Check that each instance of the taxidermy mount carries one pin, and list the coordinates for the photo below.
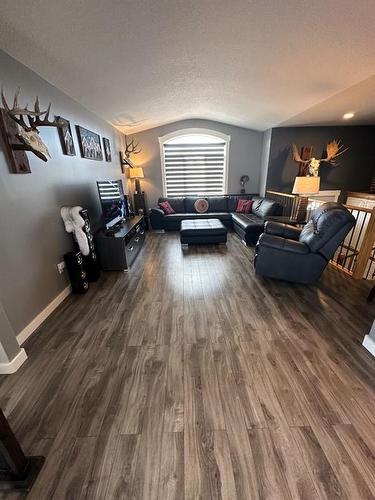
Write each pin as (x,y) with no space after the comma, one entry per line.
(311,166)
(131,148)
(20,131)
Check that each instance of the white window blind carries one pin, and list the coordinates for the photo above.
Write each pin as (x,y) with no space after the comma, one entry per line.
(194,165)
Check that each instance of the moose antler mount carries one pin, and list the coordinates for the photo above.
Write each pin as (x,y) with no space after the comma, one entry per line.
(310,165)
(131,148)
(20,131)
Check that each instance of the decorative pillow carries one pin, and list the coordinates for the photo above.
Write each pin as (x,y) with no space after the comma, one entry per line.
(166,207)
(178,203)
(244,206)
(201,205)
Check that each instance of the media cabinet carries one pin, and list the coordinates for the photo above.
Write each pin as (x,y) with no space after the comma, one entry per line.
(118,251)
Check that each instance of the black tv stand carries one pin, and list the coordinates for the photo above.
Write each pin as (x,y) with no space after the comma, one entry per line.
(111,231)
(118,250)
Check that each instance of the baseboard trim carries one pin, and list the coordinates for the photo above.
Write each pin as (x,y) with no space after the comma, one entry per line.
(43,315)
(12,366)
(369,344)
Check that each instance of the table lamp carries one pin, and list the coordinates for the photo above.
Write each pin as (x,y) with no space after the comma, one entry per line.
(136,173)
(304,187)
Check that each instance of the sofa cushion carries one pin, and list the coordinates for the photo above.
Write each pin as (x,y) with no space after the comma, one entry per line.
(232,203)
(247,221)
(218,203)
(257,203)
(196,216)
(264,207)
(189,202)
(176,203)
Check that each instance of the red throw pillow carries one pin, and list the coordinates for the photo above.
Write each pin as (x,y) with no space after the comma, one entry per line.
(244,206)
(166,207)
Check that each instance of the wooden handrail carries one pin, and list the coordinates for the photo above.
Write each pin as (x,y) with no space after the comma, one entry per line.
(359,209)
(281,194)
(366,247)
(349,207)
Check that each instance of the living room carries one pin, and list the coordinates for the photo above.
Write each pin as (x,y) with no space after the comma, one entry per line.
(188,250)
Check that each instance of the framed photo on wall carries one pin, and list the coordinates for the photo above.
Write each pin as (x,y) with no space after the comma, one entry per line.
(107,149)
(66,137)
(89,143)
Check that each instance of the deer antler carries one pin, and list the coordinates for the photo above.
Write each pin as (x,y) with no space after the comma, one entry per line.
(131,147)
(297,156)
(16,113)
(334,149)
(34,117)
(43,122)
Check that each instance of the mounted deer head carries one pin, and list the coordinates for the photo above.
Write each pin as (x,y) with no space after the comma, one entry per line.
(333,149)
(28,133)
(131,147)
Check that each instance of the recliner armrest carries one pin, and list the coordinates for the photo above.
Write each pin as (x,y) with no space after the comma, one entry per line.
(157,218)
(279,243)
(283,230)
(157,211)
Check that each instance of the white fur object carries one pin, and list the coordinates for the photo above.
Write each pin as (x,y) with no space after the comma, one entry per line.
(74,223)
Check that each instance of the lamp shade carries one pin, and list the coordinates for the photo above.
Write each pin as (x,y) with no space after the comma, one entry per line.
(306,185)
(136,173)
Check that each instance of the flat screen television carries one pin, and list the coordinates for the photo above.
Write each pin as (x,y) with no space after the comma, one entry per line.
(114,202)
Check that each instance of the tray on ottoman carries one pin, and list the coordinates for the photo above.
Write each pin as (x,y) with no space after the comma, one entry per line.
(202,232)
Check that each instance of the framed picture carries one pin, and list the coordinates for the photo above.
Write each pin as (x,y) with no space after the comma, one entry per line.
(66,137)
(89,143)
(107,149)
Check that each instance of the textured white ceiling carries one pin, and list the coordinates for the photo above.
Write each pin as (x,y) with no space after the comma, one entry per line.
(143,63)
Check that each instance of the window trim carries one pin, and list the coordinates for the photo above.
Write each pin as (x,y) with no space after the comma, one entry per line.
(196,131)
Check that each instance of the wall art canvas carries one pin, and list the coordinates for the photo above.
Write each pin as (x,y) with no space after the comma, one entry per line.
(66,137)
(89,143)
(107,149)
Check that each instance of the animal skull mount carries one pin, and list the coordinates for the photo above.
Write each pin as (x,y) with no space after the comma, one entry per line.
(311,165)
(26,130)
(131,147)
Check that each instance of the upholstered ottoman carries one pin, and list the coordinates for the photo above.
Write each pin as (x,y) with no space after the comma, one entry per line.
(202,232)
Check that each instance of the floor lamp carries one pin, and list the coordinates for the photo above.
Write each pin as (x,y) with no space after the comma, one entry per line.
(304,187)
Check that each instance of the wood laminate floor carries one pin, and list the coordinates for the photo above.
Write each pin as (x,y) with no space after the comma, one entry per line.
(191,378)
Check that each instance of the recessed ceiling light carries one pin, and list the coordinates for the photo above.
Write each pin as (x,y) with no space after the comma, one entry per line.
(347,116)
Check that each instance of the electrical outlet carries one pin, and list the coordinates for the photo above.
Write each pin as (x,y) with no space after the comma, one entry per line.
(61,267)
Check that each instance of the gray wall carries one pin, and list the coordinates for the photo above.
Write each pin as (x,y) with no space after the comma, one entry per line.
(266,145)
(357,165)
(244,155)
(8,344)
(33,239)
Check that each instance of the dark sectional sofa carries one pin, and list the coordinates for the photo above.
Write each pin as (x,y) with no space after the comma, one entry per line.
(248,226)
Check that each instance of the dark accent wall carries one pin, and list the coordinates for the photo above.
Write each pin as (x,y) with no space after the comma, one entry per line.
(357,165)
(32,236)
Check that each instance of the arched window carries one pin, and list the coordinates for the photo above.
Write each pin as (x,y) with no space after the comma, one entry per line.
(194,162)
